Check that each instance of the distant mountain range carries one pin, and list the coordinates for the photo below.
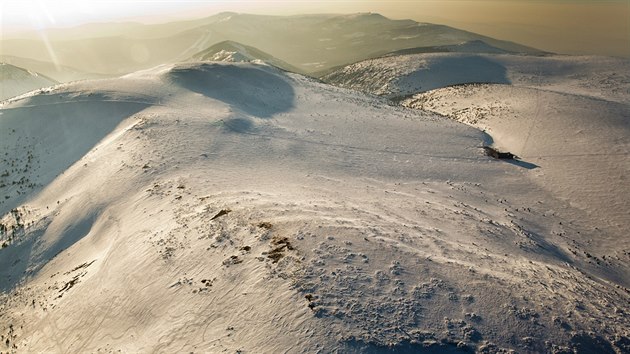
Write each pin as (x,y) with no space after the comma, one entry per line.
(307,43)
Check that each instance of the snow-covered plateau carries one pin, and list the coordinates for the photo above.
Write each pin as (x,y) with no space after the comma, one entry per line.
(236,207)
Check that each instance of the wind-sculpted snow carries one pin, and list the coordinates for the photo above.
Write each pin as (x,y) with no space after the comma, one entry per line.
(243,209)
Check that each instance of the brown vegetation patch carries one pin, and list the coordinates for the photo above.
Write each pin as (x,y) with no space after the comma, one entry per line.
(265,225)
(280,243)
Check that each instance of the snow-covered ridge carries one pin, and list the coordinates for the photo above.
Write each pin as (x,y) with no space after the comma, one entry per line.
(235,207)
(402,75)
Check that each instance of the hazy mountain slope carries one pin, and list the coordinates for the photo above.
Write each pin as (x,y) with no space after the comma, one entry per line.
(58,73)
(229,51)
(112,56)
(236,207)
(475,46)
(309,42)
(15,81)
(396,76)
(478,46)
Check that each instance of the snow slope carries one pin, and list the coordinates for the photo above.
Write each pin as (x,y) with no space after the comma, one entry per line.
(233,52)
(214,207)
(15,80)
(580,144)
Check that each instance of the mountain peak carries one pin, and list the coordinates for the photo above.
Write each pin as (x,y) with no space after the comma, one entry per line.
(232,51)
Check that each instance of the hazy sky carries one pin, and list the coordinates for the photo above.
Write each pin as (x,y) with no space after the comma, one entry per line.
(566,26)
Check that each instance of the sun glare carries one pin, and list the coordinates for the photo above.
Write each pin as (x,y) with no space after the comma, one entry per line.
(41,14)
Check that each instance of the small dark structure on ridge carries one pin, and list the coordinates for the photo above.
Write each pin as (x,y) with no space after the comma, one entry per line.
(490,151)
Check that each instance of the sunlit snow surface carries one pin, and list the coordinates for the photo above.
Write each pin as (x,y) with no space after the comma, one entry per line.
(210,207)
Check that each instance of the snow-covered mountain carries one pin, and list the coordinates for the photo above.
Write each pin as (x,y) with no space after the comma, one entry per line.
(15,81)
(210,207)
(229,51)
